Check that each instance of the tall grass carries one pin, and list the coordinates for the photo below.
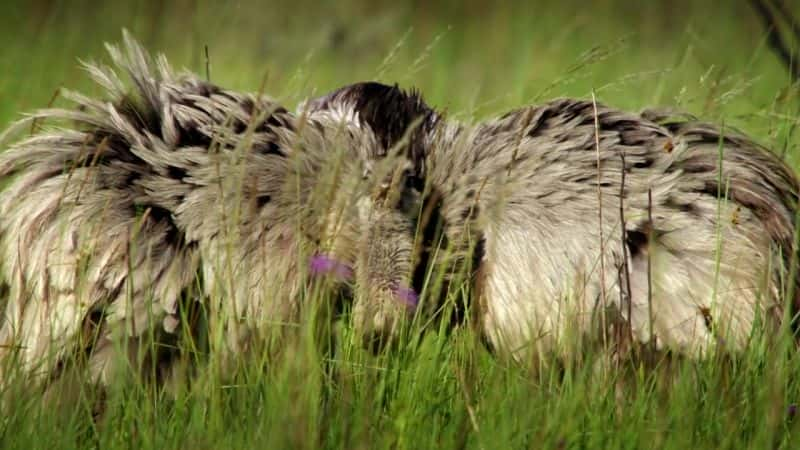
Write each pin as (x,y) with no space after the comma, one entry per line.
(440,388)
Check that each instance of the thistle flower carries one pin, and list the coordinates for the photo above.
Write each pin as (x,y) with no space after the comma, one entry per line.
(326,265)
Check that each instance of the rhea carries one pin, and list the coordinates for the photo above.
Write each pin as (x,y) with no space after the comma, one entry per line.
(125,214)
(568,216)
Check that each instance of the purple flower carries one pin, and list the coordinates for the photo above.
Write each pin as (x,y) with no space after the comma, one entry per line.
(406,295)
(325,265)
(791,411)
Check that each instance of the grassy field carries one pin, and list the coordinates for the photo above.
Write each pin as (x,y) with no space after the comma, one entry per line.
(474,61)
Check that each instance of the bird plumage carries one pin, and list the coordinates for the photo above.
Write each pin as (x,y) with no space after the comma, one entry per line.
(517,197)
(720,241)
(178,192)
(172,193)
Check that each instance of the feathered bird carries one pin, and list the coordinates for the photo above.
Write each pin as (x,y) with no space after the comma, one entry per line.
(178,192)
(708,213)
(175,193)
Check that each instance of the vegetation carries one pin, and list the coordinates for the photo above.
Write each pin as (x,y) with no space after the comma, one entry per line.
(474,60)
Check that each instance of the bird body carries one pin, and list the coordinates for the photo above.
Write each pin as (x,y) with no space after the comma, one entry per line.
(566,217)
(173,194)
(709,214)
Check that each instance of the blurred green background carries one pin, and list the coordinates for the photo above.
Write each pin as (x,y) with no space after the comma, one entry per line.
(472,58)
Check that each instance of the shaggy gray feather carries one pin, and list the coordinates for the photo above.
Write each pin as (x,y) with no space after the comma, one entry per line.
(179,192)
(519,195)
(719,251)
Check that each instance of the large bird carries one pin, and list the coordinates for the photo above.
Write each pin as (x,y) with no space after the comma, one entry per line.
(122,214)
(533,206)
